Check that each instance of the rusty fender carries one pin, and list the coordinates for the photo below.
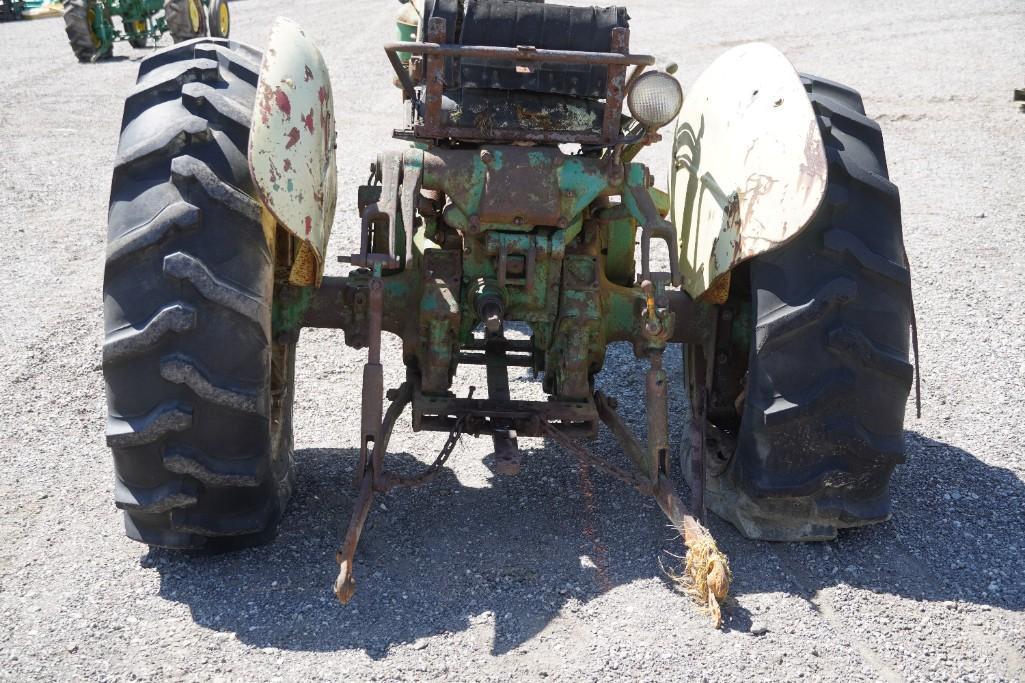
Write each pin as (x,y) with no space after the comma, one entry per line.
(749,168)
(292,140)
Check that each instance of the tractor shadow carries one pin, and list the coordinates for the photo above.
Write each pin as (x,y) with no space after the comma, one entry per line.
(440,558)
(956,534)
(448,557)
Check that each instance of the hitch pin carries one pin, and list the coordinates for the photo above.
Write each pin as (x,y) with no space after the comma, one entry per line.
(651,324)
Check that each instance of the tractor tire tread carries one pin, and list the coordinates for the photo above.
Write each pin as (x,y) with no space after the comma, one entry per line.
(170,416)
(182,266)
(845,242)
(129,342)
(171,218)
(828,373)
(181,369)
(188,286)
(173,494)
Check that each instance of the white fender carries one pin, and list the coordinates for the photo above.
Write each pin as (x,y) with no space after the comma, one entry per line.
(749,166)
(292,139)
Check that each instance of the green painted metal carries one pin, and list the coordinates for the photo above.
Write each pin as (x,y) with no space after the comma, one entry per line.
(558,256)
(141,20)
(290,304)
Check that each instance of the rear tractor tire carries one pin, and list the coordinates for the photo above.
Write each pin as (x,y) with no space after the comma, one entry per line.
(199,393)
(80,18)
(186,19)
(810,374)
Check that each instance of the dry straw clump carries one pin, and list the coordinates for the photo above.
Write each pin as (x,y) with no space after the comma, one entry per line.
(706,574)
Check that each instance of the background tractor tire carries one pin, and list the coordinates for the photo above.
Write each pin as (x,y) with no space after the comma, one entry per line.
(137,34)
(219,18)
(78,24)
(199,394)
(186,19)
(810,374)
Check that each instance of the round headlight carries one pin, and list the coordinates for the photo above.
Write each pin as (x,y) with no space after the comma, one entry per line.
(655,99)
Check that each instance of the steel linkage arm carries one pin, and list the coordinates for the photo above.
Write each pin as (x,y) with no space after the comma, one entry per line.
(706,573)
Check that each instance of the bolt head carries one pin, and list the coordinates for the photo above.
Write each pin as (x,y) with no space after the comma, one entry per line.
(486,156)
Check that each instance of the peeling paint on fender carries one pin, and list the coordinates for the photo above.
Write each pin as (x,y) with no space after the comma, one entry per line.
(292,162)
(749,166)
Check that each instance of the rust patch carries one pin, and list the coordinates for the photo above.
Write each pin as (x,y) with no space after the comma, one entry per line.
(719,291)
(293,138)
(308,121)
(308,76)
(283,103)
(304,267)
(534,119)
(266,95)
(814,168)
(758,186)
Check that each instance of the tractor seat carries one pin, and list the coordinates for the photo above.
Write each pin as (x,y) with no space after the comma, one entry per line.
(512,23)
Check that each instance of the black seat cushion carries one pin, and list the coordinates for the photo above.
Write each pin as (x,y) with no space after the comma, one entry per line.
(511,23)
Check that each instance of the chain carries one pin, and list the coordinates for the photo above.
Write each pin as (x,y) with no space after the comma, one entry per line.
(585,456)
(439,462)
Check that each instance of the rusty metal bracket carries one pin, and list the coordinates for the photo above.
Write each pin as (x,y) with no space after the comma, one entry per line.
(699,422)
(436,51)
(653,226)
(373,479)
(586,456)
(507,450)
(381,215)
(373,380)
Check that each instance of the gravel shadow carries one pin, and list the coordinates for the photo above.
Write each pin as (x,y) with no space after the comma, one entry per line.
(957,535)
(443,557)
(431,560)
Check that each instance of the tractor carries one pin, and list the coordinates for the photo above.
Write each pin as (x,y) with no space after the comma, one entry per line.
(92,33)
(772,259)
(11,10)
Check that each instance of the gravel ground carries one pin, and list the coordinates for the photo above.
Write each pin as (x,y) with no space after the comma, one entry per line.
(481,578)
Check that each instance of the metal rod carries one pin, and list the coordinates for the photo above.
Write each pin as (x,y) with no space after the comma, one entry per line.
(400,70)
(615,90)
(373,378)
(507,450)
(511,135)
(520,54)
(434,72)
(623,434)
(699,421)
(345,585)
(658,415)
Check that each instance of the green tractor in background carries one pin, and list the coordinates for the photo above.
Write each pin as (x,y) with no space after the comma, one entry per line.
(92,33)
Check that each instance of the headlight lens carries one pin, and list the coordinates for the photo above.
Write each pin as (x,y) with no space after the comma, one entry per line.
(655,99)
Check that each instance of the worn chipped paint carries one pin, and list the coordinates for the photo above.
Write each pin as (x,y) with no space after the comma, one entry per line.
(292,142)
(749,165)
